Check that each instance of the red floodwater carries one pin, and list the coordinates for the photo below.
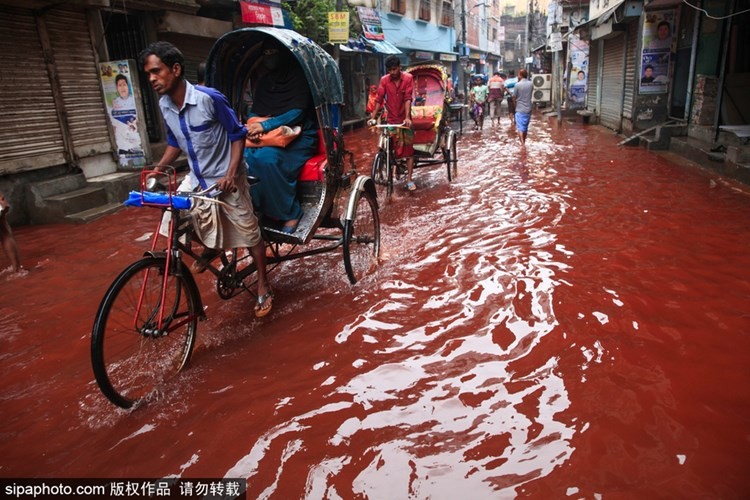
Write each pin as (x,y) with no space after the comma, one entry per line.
(571,321)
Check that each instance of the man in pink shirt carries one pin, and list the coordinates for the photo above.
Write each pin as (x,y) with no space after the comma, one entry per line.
(396,89)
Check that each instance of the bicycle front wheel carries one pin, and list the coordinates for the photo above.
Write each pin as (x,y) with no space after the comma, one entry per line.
(362,238)
(382,173)
(144,330)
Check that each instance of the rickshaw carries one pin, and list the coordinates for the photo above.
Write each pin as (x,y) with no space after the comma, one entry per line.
(434,139)
(145,327)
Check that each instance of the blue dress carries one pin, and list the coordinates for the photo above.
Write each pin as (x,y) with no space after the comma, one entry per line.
(275,196)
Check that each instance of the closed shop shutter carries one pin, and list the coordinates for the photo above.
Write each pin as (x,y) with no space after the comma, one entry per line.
(612,82)
(30,135)
(194,48)
(78,78)
(594,89)
(630,65)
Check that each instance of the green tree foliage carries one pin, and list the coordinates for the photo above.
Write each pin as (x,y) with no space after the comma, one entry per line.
(310,18)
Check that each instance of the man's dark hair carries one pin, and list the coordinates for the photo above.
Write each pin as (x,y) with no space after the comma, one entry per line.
(648,66)
(392,61)
(168,53)
(496,73)
(664,23)
(121,77)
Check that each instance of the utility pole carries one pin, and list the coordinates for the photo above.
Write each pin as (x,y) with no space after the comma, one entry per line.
(526,35)
(463,59)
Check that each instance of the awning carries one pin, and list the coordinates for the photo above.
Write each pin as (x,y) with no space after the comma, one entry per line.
(604,17)
(355,46)
(382,47)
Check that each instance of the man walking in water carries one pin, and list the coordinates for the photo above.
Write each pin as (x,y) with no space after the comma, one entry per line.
(522,100)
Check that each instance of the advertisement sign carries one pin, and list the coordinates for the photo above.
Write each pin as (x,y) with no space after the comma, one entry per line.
(265,13)
(372,28)
(656,43)
(119,80)
(579,71)
(338,27)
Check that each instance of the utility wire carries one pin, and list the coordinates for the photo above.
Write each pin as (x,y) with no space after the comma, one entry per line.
(714,17)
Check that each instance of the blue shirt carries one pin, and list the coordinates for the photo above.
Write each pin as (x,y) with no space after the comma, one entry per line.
(204,129)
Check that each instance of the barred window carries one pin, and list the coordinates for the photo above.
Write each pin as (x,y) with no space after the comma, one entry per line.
(447,17)
(424,10)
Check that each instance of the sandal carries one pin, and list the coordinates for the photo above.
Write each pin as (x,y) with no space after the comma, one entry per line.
(264,304)
(202,263)
(410,186)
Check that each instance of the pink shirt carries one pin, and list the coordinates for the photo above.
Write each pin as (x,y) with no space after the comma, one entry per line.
(396,95)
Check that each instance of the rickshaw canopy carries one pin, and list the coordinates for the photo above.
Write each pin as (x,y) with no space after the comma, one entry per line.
(234,54)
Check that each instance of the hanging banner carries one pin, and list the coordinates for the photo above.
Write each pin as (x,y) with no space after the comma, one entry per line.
(579,71)
(122,108)
(265,13)
(372,27)
(658,27)
(338,27)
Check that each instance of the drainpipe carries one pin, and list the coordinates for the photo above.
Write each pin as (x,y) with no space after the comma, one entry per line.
(691,71)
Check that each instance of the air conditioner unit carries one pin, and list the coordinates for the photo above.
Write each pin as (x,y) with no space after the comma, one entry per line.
(541,95)
(542,81)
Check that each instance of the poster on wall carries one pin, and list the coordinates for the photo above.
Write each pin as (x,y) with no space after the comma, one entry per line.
(372,28)
(122,108)
(658,27)
(579,71)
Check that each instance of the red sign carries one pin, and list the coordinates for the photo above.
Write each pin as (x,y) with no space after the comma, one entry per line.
(255,13)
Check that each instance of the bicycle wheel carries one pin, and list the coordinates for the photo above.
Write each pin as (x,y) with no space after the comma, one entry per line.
(130,353)
(382,173)
(449,155)
(362,238)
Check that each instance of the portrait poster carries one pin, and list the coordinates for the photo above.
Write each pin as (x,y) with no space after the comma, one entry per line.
(579,71)
(122,108)
(656,43)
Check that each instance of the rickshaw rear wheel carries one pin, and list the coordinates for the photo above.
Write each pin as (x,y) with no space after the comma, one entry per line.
(362,237)
(131,356)
(382,173)
(450,156)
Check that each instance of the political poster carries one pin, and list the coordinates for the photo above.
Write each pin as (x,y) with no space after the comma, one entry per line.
(119,98)
(658,27)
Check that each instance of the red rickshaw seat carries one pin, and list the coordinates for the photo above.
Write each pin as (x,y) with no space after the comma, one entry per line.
(313,169)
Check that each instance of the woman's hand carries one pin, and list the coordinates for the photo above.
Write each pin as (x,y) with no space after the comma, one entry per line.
(254,130)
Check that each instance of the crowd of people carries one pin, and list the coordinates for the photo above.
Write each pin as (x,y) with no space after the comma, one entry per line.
(486,98)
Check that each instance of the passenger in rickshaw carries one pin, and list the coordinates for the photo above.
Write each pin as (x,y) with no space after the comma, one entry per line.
(396,89)
(282,96)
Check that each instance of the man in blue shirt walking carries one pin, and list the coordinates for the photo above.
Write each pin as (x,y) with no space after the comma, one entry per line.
(201,123)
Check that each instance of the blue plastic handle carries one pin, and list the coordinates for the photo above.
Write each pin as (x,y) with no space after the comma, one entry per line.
(137,199)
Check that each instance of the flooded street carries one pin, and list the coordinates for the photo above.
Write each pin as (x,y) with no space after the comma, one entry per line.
(572,321)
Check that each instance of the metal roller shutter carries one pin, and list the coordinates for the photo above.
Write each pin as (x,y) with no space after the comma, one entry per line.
(630,65)
(30,135)
(78,78)
(612,82)
(592,97)
(195,49)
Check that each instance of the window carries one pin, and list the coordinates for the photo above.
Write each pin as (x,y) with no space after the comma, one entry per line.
(447,17)
(398,6)
(424,10)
